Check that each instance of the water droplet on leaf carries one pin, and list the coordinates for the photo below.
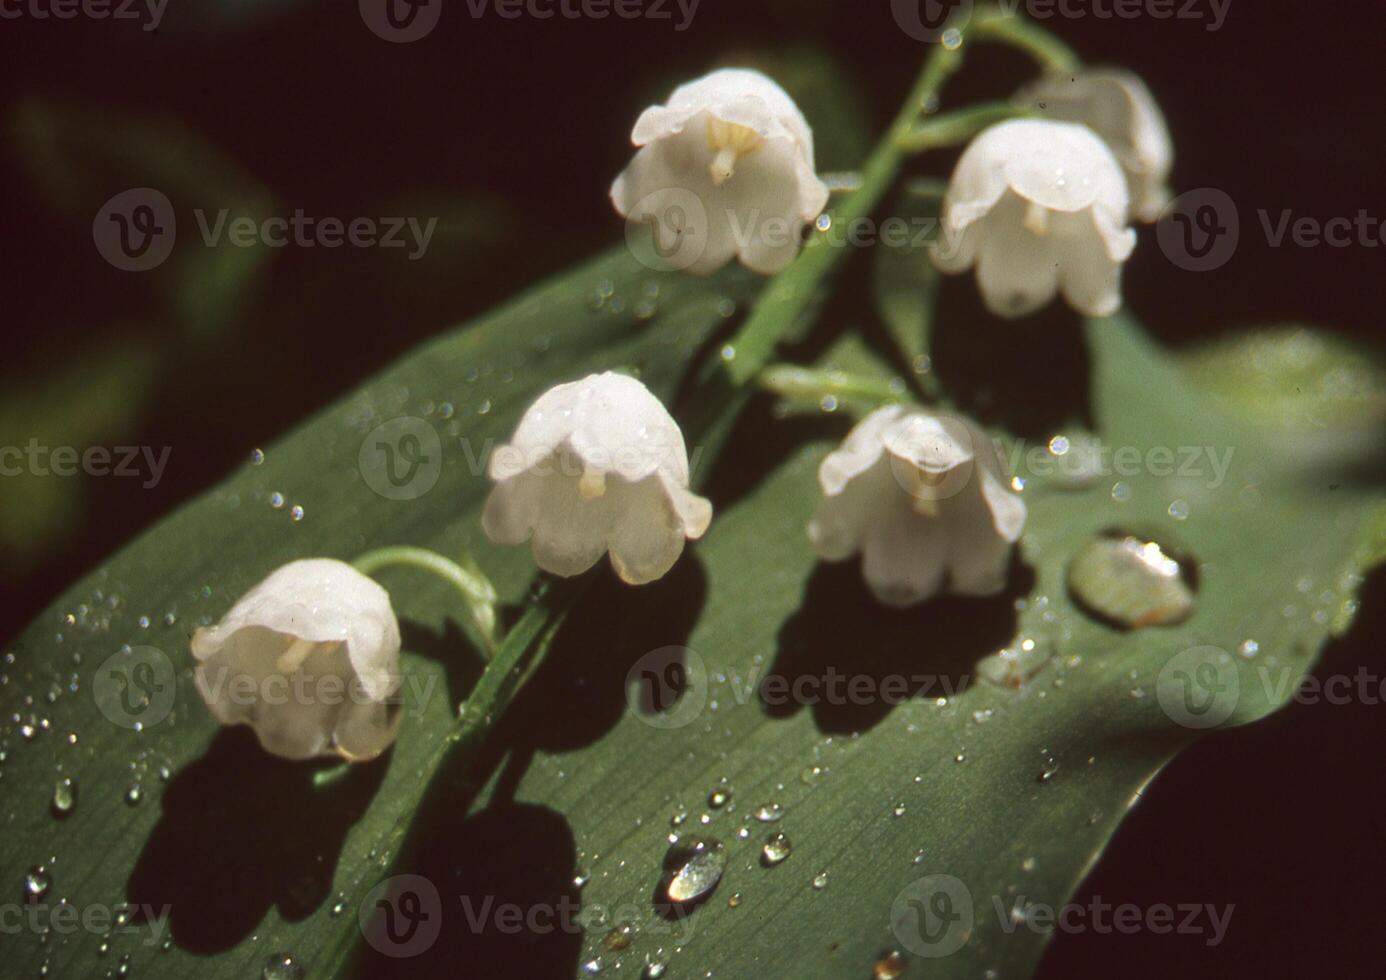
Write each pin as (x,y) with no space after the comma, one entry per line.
(1131,581)
(694,867)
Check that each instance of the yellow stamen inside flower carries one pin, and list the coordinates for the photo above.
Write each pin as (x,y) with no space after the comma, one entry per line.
(925,506)
(1037,218)
(729,142)
(592,483)
(925,491)
(292,658)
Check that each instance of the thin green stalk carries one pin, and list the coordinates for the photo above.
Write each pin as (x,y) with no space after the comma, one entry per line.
(475,588)
(786,298)
(1052,54)
(790,293)
(958,127)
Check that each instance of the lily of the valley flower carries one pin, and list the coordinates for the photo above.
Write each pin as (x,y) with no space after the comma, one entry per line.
(923,498)
(1038,207)
(596,465)
(309,658)
(1118,106)
(724,170)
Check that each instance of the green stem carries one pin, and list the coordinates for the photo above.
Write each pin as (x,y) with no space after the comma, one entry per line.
(959,127)
(813,384)
(725,389)
(928,188)
(790,293)
(1052,54)
(473,585)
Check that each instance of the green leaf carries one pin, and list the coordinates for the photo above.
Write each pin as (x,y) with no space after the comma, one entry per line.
(97,396)
(1326,393)
(78,159)
(258,857)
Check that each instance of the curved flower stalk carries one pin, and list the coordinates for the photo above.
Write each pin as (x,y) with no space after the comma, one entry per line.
(596,465)
(309,658)
(1118,106)
(1039,207)
(724,170)
(923,498)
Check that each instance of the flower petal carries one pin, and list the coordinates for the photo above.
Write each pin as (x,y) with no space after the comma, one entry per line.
(904,558)
(570,530)
(1091,278)
(648,537)
(365,729)
(1017,270)
(859,452)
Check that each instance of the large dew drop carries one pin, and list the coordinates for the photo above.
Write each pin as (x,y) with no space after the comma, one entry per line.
(64,796)
(776,849)
(1131,581)
(693,868)
(36,883)
(890,966)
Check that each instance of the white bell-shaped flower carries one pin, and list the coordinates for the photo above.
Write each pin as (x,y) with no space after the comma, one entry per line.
(1117,105)
(309,658)
(596,465)
(924,499)
(724,170)
(1038,207)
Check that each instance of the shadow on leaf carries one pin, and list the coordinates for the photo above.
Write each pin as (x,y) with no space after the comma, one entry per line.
(579,694)
(508,904)
(850,659)
(242,831)
(451,649)
(1030,377)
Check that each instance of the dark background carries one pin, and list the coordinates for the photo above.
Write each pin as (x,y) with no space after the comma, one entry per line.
(511,131)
